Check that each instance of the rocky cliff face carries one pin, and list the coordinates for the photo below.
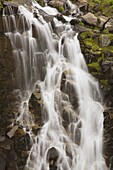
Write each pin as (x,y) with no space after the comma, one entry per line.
(13,150)
(96,40)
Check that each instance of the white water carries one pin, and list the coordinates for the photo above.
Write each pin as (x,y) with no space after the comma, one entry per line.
(77,145)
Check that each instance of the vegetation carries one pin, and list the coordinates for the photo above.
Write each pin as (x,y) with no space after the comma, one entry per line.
(1,4)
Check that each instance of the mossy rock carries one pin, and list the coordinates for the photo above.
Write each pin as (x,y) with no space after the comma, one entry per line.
(103,6)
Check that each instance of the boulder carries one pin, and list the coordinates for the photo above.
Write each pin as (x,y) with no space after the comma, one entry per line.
(105,41)
(89,19)
(102,19)
(35,106)
(82,4)
(68,88)
(109,25)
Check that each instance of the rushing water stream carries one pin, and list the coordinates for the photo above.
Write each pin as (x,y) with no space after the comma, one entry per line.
(45,61)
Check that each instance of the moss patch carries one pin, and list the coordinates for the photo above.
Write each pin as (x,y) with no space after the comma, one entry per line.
(1,4)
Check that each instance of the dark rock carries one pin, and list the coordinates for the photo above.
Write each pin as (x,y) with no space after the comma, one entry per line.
(74,21)
(106,66)
(111,163)
(52,156)
(35,106)
(61,18)
(53,167)
(69,88)
(2,161)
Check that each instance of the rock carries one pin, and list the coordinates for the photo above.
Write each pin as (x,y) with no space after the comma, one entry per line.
(68,88)
(109,25)
(2,161)
(68,115)
(60,17)
(74,21)
(6,144)
(106,66)
(111,163)
(52,156)
(105,41)
(35,106)
(12,131)
(13,4)
(16,3)
(89,19)
(57,4)
(36,129)
(82,4)
(79,29)
(102,19)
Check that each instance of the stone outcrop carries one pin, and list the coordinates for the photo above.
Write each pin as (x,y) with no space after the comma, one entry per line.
(89,19)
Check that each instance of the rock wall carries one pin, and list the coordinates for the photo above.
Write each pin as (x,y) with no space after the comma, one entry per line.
(13,150)
(97,46)
(96,38)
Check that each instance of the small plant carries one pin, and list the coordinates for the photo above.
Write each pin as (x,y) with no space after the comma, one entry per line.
(1,6)
(110,2)
(60,9)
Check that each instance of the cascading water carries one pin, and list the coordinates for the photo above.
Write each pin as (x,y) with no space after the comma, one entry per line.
(71,135)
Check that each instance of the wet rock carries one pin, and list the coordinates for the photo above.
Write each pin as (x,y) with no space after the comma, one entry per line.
(74,21)
(36,129)
(68,116)
(57,4)
(61,18)
(23,24)
(111,163)
(52,156)
(79,29)
(35,106)
(69,88)
(89,19)
(53,167)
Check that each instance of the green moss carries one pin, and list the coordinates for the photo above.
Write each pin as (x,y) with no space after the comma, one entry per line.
(1,4)
(108,49)
(94,65)
(40,2)
(110,2)
(61,9)
(110,36)
(105,7)
(106,31)
(104,82)
(91,43)
(81,23)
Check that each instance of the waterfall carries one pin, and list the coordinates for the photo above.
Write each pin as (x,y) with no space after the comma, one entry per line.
(71,108)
